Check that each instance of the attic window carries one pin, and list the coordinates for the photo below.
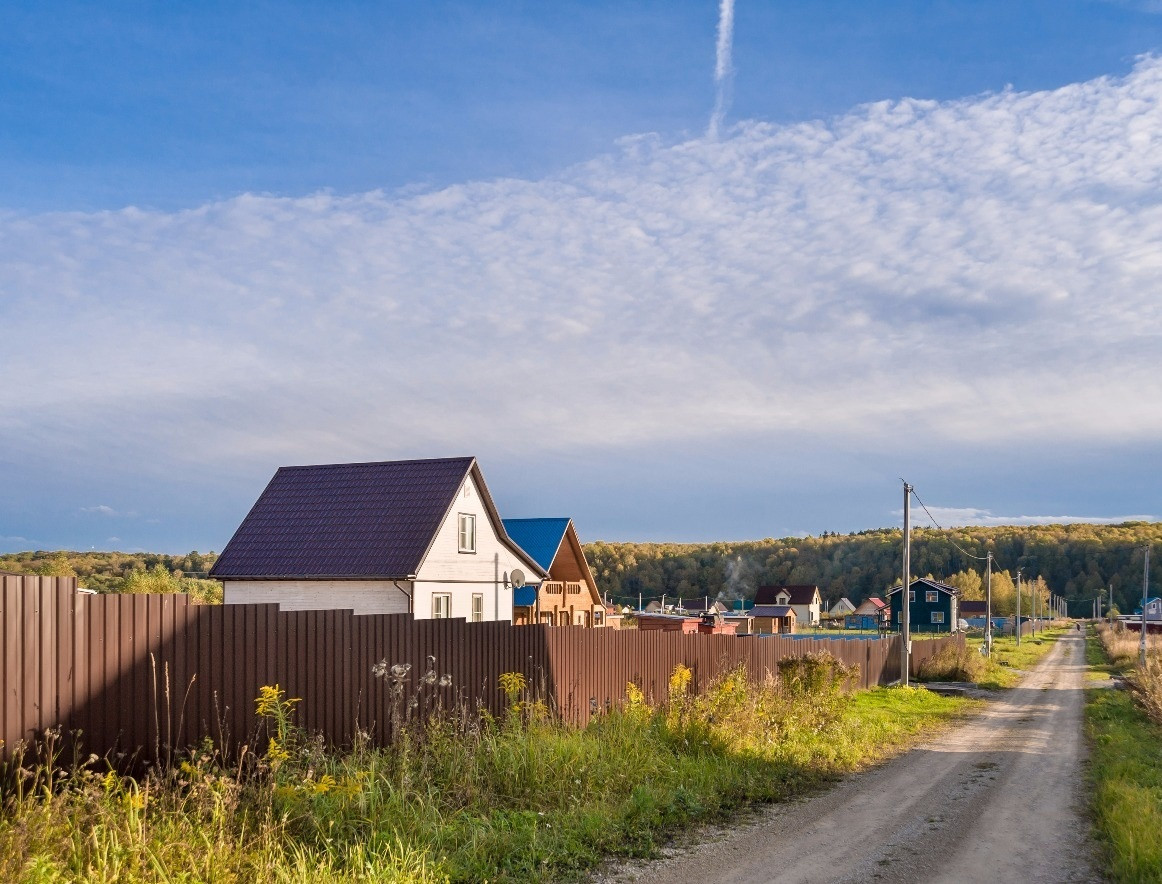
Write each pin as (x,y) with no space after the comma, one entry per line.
(932,595)
(467,533)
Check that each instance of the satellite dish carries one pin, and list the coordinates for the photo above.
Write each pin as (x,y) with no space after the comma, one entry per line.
(517,578)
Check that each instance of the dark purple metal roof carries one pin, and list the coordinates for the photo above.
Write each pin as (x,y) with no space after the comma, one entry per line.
(369,520)
(800,593)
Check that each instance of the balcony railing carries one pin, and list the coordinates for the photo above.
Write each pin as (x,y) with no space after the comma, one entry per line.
(562,587)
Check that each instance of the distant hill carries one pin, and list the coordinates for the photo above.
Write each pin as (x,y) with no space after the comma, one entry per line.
(1075,561)
(123,572)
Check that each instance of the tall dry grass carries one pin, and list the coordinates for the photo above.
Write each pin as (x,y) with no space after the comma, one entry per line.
(457,797)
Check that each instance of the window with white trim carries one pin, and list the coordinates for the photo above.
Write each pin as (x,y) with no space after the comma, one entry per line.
(477,607)
(911,595)
(467,533)
(441,605)
(932,595)
(937,616)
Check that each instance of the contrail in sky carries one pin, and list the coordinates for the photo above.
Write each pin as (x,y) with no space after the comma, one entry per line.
(723,70)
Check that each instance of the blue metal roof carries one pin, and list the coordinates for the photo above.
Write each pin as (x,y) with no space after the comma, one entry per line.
(525,596)
(540,538)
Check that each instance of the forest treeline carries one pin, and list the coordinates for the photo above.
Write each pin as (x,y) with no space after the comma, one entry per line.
(1074,561)
(123,572)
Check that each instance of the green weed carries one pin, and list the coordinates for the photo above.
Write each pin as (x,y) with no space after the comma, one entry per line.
(1126,767)
(459,798)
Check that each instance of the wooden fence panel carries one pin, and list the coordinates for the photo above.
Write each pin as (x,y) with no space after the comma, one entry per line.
(149,674)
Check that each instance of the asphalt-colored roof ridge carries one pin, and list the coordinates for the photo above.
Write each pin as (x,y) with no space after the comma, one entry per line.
(373,463)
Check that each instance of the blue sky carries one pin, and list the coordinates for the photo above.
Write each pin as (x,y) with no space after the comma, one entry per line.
(242,235)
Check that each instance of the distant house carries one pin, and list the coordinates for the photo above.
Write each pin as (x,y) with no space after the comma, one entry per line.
(1153,609)
(872,613)
(841,608)
(932,606)
(569,597)
(773,619)
(806,601)
(743,623)
(973,608)
(415,536)
(651,622)
(702,605)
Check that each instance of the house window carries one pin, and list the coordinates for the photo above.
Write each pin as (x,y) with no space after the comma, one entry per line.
(932,595)
(467,537)
(441,605)
(598,616)
(477,607)
(937,616)
(911,595)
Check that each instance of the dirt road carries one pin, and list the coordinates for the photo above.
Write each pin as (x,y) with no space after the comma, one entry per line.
(998,798)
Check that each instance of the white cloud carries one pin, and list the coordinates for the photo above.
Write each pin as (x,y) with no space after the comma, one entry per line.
(100,510)
(958,517)
(977,271)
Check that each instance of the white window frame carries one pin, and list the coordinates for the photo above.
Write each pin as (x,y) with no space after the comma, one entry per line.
(911,595)
(466,532)
(937,616)
(441,605)
(477,607)
(931,595)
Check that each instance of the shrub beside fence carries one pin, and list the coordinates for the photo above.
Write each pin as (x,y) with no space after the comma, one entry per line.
(153,673)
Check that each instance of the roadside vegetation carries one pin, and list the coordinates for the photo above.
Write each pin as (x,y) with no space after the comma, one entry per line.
(464,797)
(1004,669)
(1125,732)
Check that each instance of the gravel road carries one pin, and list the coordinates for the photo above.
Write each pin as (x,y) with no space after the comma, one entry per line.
(997,798)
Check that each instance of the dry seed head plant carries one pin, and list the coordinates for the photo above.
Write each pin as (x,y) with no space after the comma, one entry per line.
(456,796)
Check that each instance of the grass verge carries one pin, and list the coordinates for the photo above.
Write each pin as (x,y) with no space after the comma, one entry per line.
(1126,768)
(524,798)
(1009,662)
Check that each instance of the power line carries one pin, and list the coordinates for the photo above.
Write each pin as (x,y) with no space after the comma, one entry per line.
(942,528)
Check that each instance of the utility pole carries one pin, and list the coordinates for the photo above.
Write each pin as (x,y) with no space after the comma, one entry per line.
(988,606)
(905,591)
(1018,626)
(1145,593)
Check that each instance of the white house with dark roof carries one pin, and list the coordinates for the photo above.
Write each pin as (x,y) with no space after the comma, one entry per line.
(805,599)
(395,537)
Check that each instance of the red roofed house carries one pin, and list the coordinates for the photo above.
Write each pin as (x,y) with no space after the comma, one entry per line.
(872,613)
(806,601)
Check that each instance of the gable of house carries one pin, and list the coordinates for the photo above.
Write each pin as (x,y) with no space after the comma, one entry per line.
(554,543)
(932,609)
(376,537)
(800,594)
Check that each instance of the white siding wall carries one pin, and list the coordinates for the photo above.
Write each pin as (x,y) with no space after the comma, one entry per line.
(361,596)
(461,574)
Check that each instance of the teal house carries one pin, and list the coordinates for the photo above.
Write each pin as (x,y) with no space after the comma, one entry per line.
(932,606)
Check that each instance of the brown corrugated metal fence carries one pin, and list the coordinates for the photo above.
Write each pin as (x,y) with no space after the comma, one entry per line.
(143,673)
